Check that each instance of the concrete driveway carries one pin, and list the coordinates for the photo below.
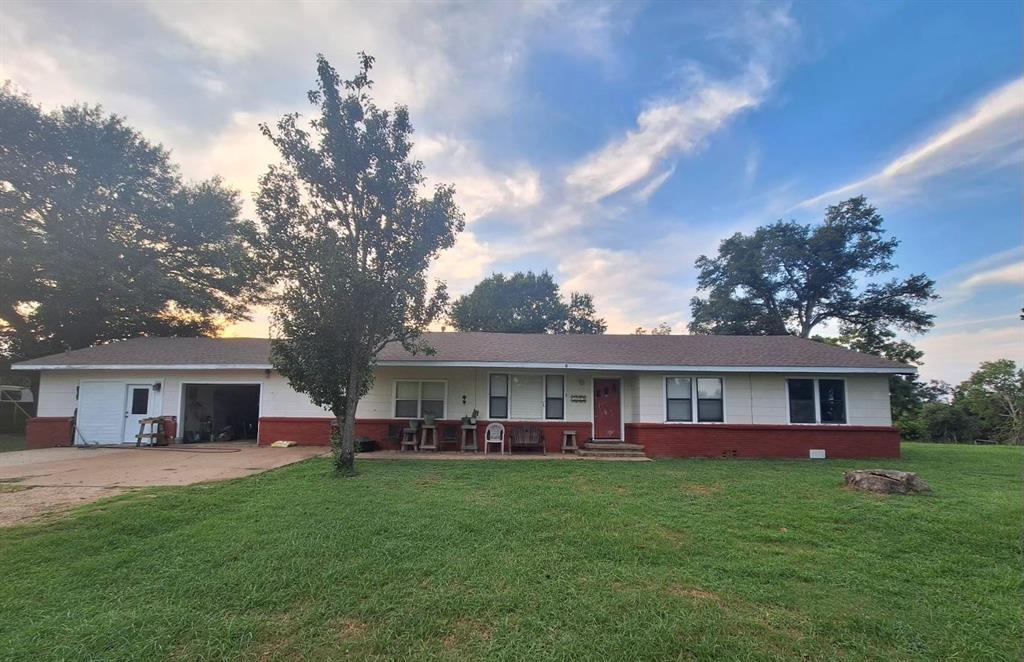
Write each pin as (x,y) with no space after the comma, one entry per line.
(37,482)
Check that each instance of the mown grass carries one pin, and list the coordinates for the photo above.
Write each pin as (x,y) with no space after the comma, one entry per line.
(531,560)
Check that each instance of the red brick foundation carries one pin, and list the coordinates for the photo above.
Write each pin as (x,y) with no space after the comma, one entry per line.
(305,431)
(764,441)
(317,431)
(658,439)
(49,431)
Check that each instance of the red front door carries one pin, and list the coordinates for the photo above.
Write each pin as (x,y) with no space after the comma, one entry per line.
(607,409)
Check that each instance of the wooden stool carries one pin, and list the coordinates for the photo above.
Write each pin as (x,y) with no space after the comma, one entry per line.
(428,431)
(408,439)
(157,435)
(469,439)
(569,441)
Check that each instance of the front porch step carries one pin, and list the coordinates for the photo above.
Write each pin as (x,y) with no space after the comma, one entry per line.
(612,454)
(612,446)
(612,449)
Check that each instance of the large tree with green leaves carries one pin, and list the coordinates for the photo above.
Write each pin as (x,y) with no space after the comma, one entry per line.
(351,236)
(102,239)
(994,396)
(524,303)
(788,278)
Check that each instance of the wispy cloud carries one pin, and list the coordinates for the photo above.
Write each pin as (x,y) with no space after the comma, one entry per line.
(967,280)
(952,355)
(665,129)
(1011,274)
(989,134)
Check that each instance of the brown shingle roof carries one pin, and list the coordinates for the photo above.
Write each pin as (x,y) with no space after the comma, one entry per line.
(759,352)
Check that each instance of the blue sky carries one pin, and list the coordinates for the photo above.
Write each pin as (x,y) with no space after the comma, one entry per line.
(612,143)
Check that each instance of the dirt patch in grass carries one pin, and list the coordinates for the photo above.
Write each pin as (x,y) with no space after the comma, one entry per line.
(350,628)
(697,489)
(674,536)
(464,630)
(20,506)
(693,593)
(428,480)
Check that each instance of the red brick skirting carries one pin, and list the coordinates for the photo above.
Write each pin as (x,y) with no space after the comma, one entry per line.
(317,431)
(764,441)
(49,431)
(658,439)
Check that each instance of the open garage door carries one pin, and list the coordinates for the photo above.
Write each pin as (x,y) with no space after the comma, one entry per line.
(220,412)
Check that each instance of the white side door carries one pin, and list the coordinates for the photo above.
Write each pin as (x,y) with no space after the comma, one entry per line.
(138,404)
(100,412)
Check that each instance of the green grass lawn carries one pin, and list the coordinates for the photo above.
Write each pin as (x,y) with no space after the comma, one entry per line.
(10,441)
(529,560)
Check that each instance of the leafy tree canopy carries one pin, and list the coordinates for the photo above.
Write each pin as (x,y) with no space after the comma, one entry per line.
(524,303)
(663,329)
(792,278)
(351,237)
(994,395)
(102,239)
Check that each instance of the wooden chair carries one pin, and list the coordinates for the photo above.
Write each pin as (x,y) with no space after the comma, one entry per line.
(527,437)
(449,434)
(494,434)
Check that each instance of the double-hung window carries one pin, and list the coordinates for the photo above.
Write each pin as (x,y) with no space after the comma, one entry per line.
(817,400)
(678,403)
(554,397)
(417,399)
(498,396)
(694,399)
(709,400)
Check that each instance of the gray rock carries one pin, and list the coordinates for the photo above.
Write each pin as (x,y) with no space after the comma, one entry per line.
(886,481)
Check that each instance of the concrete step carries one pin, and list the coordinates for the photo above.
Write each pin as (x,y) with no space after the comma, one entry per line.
(612,445)
(612,454)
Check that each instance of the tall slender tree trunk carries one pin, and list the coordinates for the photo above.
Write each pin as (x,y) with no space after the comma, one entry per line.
(346,461)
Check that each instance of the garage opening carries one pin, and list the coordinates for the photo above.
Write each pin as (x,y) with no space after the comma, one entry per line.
(220,412)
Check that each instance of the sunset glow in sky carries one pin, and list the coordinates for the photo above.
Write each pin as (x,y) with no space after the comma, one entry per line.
(611,143)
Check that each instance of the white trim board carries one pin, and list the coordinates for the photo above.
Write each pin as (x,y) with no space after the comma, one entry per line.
(498,366)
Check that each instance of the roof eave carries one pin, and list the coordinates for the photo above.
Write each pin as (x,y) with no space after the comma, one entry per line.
(506,365)
(131,366)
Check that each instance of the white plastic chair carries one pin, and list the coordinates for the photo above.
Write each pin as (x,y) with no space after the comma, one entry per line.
(495,434)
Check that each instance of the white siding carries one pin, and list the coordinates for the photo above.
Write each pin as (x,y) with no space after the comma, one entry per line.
(57,393)
(749,398)
(769,402)
(101,418)
(762,398)
(867,400)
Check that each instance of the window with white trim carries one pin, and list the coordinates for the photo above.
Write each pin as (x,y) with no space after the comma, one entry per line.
(678,399)
(417,399)
(817,400)
(698,399)
(554,397)
(498,396)
(710,407)
(526,396)
(832,400)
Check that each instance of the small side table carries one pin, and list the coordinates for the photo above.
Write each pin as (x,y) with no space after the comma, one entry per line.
(429,431)
(569,441)
(469,439)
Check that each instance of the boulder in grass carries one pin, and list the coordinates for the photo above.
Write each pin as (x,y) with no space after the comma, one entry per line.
(886,481)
